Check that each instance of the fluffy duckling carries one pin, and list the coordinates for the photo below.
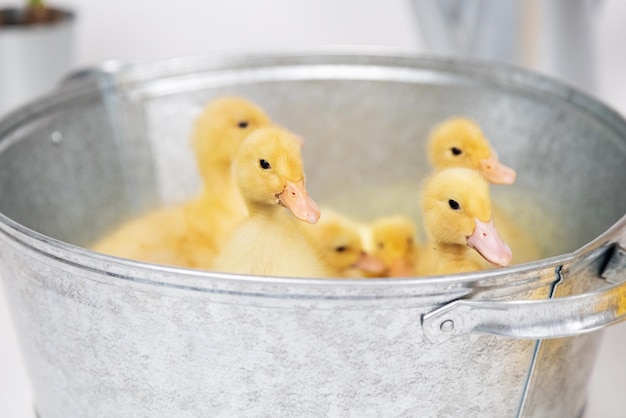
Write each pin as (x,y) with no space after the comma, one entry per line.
(393,240)
(456,211)
(269,172)
(338,243)
(459,142)
(190,234)
(217,133)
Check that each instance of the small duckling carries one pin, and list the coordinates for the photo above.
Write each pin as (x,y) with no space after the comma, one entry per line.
(459,142)
(456,211)
(218,131)
(190,234)
(394,241)
(338,243)
(269,172)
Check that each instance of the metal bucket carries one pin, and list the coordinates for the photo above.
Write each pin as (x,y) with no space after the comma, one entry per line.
(106,337)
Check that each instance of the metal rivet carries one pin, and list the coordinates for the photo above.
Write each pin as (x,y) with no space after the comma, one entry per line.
(447,326)
(56,137)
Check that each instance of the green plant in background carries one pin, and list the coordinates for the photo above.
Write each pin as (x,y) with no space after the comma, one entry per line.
(38,12)
(34,12)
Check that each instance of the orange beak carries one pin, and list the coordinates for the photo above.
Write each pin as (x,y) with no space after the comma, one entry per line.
(369,263)
(487,242)
(295,198)
(496,172)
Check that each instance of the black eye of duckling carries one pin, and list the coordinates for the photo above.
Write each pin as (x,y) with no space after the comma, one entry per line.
(264,165)
(341,249)
(456,151)
(454,204)
(243,124)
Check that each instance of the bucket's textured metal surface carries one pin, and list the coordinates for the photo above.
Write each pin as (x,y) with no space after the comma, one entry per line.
(108,337)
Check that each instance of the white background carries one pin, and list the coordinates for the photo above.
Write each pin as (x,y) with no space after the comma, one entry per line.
(141,30)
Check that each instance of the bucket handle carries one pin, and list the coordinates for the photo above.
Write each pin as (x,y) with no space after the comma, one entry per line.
(536,319)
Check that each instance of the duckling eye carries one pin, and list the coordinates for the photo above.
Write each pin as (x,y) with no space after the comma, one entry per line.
(409,241)
(243,124)
(264,165)
(381,245)
(454,204)
(341,249)
(456,151)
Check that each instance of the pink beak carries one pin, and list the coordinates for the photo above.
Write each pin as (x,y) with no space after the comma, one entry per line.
(487,242)
(295,198)
(370,264)
(496,172)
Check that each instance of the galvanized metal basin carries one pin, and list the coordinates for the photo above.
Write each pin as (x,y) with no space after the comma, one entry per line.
(104,336)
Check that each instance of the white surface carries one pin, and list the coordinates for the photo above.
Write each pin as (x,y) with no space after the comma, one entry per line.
(152,29)
(21,75)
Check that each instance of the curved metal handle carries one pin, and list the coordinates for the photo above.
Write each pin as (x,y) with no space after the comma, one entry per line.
(535,319)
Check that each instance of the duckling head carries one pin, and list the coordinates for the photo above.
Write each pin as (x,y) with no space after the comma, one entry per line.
(456,209)
(459,142)
(394,243)
(220,129)
(269,171)
(339,245)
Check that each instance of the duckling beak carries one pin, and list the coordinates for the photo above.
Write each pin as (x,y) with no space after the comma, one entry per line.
(496,172)
(487,242)
(369,263)
(295,198)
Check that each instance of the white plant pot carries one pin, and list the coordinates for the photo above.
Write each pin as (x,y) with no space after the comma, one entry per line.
(33,58)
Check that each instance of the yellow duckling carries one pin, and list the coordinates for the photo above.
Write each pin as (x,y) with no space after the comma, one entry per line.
(394,241)
(456,211)
(459,142)
(190,234)
(269,172)
(338,244)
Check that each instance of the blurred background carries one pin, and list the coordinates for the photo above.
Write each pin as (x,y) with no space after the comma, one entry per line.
(579,41)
